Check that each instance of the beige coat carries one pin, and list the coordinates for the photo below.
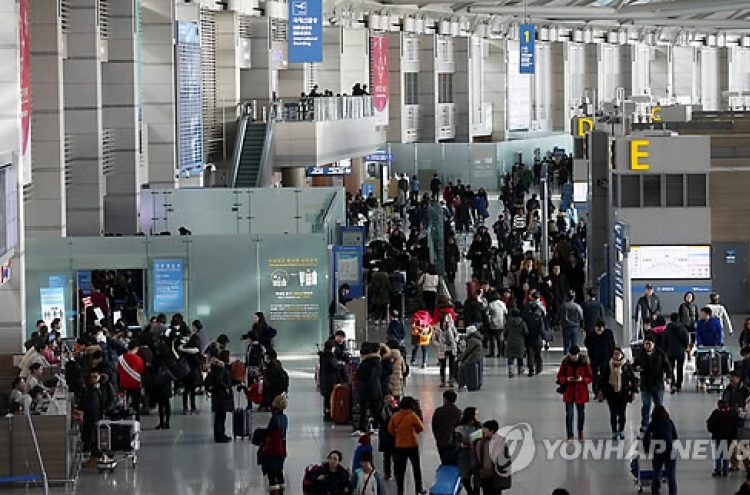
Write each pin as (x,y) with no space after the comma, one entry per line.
(396,383)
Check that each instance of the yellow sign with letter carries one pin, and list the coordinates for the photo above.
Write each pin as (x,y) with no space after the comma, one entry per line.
(639,150)
(656,114)
(585,124)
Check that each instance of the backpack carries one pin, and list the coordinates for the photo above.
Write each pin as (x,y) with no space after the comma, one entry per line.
(310,479)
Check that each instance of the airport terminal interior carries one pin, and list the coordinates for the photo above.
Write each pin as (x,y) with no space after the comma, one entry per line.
(200,199)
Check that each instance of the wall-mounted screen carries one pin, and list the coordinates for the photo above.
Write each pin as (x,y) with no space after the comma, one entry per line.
(670,262)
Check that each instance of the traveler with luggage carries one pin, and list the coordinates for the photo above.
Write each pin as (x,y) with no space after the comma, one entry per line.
(446,338)
(708,330)
(688,312)
(405,425)
(467,432)
(493,471)
(654,369)
(444,420)
(130,373)
(661,429)
(273,450)
(618,385)
(469,372)
(516,334)
(676,341)
(219,385)
(573,379)
(330,376)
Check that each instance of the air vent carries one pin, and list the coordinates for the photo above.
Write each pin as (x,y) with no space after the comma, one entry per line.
(211,129)
(65,15)
(104,17)
(28,192)
(245,28)
(108,151)
(68,144)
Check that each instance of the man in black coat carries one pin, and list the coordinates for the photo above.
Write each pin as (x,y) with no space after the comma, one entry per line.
(368,388)
(653,366)
(444,421)
(676,340)
(536,322)
(600,344)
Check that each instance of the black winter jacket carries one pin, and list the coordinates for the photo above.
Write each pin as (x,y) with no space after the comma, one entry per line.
(675,339)
(653,368)
(600,346)
(368,378)
(219,385)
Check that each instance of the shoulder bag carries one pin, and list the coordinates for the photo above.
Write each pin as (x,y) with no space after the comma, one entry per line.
(274,443)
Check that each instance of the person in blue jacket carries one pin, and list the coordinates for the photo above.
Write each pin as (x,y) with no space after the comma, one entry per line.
(708,331)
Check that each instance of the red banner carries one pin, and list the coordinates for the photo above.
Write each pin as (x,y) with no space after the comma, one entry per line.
(25,59)
(379,54)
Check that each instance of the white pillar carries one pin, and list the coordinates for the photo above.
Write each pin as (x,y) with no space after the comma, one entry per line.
(83,120)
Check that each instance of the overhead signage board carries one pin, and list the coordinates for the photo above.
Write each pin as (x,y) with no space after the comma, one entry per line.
(335,170)
(670,262)
(385,157)
(305,31)
(527,39)
(168,285)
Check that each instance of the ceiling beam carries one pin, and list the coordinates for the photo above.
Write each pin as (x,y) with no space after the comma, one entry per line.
(686,7)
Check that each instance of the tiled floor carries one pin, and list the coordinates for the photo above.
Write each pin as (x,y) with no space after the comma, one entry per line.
(185,460)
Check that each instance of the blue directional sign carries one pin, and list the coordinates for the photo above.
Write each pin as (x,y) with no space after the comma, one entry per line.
(305,31)
(168,285)
(527,38)
(379,158)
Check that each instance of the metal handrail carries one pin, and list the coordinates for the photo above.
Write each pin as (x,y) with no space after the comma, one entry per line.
(265,167)
(242,123)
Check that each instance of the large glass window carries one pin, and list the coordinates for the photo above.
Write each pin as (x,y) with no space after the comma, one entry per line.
(652,191)
(630,191)
(696,190)
(411,88)
(675,191)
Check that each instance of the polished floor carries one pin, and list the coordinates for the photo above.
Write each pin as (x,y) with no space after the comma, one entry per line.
(185,460)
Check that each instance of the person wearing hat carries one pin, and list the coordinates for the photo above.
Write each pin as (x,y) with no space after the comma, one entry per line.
(364,445)
(273,448)
(574,377)
(648,306)
(653,365)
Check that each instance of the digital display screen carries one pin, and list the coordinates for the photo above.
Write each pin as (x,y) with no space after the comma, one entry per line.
(670,262)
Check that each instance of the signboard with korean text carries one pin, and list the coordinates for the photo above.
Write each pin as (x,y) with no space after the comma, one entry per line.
(347,269)
(379,69)
(526,39)
(305,31)
(169,292)
(53,306)
(293,286)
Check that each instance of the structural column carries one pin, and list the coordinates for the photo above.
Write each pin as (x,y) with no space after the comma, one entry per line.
(157,90)
(12,292)
(120,99)
(293,177)
(45,210)
(495,81)
(463,89)
(83,120)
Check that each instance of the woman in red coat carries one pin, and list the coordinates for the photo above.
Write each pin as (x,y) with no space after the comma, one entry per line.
(574,377)
(443,305)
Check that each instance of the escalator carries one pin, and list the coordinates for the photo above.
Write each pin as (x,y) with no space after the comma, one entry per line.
(250,149)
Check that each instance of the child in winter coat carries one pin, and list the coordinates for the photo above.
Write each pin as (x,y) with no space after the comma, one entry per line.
(365,445)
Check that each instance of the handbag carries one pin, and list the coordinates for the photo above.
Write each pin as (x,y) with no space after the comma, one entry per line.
(259,434)
(274,444)
(501,481)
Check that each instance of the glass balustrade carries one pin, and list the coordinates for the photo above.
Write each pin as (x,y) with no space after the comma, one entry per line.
(326,109)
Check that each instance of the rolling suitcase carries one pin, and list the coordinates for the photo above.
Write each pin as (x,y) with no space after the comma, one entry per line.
(472,375)
(447,481)
(341,404)
(242,423)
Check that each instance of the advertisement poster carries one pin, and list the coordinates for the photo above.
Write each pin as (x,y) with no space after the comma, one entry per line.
(379,63)
(25,64)
(294,282)
(168,286)
(189,97)
(53,306)
(306,31)
(84,282)
(347,268)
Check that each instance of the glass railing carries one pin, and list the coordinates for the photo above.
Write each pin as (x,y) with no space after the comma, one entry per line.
(326,109)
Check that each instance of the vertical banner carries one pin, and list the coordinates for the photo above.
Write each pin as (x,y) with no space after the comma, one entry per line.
(527,38)
(25,68)
(379,55)
(306,31)
(83,279)
(53,306)
(168,286)
(189,97)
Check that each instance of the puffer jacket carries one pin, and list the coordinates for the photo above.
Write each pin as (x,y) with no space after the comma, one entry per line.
(447,340)
(368,377)
(473,352)
(516,332)
(396,381)
(219,385)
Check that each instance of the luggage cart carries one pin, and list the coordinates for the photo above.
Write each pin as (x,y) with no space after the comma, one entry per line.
(641,477)
(118,441)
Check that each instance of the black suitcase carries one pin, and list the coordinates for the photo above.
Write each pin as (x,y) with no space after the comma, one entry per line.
(242,423)
(472,375)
